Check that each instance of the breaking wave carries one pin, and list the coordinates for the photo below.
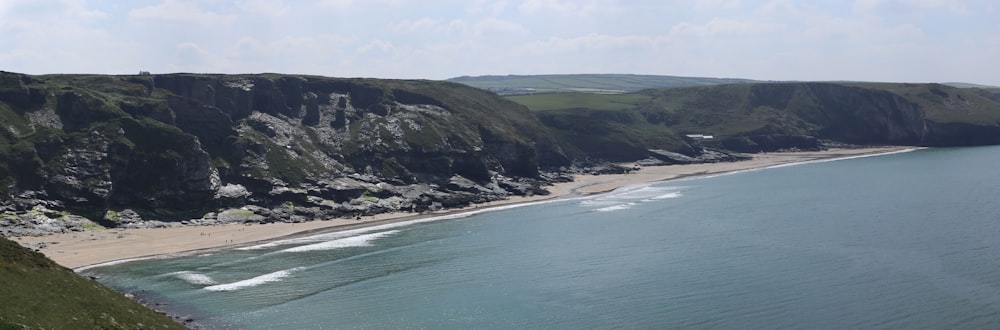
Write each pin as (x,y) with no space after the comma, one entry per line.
(675,194)
(266,278)
(358,231)
(194,278)
(354,241)
(626,197)
(618,207)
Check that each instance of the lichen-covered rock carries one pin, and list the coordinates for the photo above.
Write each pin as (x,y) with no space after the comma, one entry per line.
(134,151)
(84,174)
(204,148)
(241,215)
(41,221)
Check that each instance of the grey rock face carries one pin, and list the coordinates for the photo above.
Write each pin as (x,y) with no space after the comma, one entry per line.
(207,149)
(85,174)
(40,221)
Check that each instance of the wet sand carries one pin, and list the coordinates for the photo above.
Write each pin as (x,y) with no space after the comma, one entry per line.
(80,249)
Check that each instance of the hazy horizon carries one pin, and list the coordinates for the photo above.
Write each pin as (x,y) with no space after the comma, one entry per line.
(863,40)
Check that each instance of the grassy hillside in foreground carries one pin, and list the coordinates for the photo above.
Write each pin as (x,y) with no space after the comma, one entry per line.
(39,294)
(584,83)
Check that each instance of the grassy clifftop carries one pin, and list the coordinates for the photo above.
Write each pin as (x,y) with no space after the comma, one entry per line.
(767,116)
(175,147)
(584,83)
(38,294)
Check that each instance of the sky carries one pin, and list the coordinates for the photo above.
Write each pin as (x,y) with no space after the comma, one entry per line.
(862,40)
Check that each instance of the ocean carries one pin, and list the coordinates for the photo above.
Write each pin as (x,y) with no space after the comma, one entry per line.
(905,240)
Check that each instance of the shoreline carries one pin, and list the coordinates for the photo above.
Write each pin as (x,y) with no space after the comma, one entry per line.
(95,248)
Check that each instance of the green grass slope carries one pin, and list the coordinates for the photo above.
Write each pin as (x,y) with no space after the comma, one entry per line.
(970,85)
(769,116)
(39,294)
(584,83)
(556,101)
(945,103)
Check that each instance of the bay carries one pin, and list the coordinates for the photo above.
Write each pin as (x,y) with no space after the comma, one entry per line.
(906,240)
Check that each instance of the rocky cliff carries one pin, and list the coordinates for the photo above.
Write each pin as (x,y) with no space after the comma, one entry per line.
(147,150)
(871,113)
(143,150)
(754,117)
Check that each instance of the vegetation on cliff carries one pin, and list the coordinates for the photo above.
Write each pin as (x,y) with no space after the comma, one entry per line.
(584,83)
(189,146)
(753,117)
(123,151)
(39,294)
(82,151)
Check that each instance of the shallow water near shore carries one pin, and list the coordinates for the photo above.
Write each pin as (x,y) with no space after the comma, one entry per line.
(907,240)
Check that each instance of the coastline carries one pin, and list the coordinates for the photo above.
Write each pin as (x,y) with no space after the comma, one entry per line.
(82,250)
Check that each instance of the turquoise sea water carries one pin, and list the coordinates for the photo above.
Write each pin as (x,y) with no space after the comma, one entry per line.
(908,240)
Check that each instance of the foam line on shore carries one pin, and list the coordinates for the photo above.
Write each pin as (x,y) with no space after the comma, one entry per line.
(825,160)
(391,225)
(797,163)
(595,199)
(82,253)
(114,262)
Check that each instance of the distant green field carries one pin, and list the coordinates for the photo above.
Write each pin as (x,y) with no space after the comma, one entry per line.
(970,85)
(584,83)
(557,101)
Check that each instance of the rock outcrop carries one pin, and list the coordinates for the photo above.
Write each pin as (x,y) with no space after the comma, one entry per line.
(157,150)
(149,150)
(765,117)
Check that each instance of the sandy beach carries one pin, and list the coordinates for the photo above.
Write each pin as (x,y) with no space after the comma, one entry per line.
(80,249)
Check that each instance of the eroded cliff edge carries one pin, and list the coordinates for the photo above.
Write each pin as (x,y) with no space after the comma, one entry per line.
(143,150)
(79,151)
(756,117)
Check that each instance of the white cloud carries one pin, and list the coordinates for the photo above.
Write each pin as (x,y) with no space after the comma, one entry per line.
(498,26)
(562,7)
(903,7)
(377,47)
(421,25)
(347,4)
(723,27)
(457,28)
(592,42)
(180,10)
(717,4)
(487,7)
(78,8)
(774,39)
(190,54)
(264,7)
(340,4)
